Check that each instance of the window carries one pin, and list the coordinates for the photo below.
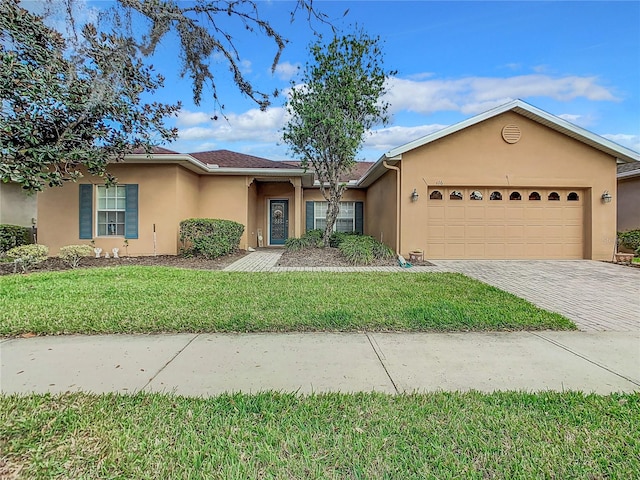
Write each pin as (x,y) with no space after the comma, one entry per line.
(345,222)
(495,196)
(515,196)
(436,195)
(573,197)
(553,196)
(534,196)
(476,195)
(111,210)
(455,195)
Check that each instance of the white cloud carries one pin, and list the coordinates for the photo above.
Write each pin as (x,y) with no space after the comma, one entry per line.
(286,70)
(472,95)
(245,66)
(387,138)
(253,125)
(188,118)
(626,140)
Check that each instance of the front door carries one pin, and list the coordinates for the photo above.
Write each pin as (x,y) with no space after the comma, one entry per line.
(278,221)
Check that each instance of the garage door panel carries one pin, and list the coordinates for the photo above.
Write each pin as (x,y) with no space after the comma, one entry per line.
(506,228)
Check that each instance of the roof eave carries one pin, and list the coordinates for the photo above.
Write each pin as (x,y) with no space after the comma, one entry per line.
(622,154)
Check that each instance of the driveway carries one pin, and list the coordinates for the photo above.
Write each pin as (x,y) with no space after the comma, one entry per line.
(597,296)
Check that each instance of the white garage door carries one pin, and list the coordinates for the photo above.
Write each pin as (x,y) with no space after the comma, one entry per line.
(514,223)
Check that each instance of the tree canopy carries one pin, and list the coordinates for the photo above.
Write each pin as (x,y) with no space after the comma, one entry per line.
(63,110)
(333,108)
(76,102)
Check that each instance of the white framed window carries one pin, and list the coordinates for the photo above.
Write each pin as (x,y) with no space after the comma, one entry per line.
(110,211)
(345,222)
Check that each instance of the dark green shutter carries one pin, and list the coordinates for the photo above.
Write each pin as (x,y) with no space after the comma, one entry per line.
(360,217)
(131,212)
(86,211)
(310,215)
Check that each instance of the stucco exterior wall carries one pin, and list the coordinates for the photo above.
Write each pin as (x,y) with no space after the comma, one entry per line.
(252,216)
(479,156)
(225,197)
(380,210)
(16,207)
(628,204)
(58,212)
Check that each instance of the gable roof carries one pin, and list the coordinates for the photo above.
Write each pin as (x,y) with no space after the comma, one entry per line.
(628,170)
(358,171)
(229,159)
(622,154)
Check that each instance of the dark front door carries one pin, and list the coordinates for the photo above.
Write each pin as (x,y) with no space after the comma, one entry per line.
(279,221)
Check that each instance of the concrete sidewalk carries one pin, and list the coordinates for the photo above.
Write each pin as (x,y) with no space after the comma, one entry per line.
(209,364)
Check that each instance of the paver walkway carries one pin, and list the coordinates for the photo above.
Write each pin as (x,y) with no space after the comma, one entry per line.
(597,296)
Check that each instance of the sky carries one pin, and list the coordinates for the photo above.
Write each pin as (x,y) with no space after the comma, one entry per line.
(577,60)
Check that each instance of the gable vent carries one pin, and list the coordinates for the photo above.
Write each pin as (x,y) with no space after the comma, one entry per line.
(511,133)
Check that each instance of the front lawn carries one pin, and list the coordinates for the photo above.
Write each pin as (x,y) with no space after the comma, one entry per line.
(274,435)
(160,299)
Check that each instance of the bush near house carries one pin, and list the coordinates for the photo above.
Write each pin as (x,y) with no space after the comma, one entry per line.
(337,237)
(13,236)
(73,254)
(210,237)
(363,249)
(311,239)
(26,256)
(630,239)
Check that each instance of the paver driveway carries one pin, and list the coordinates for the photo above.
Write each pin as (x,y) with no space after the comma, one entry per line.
(595,295)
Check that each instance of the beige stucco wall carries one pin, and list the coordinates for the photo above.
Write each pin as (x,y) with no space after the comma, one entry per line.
(16,207)
(628,204)
(380,209)
(225,197)
(478,156)
(58,211)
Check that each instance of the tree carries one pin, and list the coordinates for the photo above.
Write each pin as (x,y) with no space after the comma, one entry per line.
(64,110)
(333,109)
(77,102)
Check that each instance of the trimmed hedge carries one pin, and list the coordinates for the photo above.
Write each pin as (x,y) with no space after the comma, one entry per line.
(27,256)
(210,237)
(13,236)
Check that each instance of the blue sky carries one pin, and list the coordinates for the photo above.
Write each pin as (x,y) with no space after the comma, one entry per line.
(577,60)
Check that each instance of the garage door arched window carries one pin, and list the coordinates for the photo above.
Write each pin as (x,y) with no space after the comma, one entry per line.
(455,195)
(515,196)
(436,195)
(495,196)
(534,196)
(554,197)
(573,197)
(475,195)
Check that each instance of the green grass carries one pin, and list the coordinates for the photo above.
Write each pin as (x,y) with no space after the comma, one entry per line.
(273,435)
(156,299)
(636,260)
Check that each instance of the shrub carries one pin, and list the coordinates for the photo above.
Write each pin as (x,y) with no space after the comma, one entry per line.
(312,238)
(336,238)
(27,256)
(363,249)
(629,239)
(72,254)
(210,237)
(13,236)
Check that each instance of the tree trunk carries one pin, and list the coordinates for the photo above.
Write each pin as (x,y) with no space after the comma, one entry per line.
(333,197)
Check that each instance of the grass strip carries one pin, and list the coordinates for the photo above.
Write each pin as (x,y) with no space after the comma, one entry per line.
(275,435)
(160,299)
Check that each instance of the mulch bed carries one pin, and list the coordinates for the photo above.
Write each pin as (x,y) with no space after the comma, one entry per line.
(53,264)
(312,257)
(330,257)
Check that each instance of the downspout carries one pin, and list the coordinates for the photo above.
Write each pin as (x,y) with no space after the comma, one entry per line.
(397,169)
